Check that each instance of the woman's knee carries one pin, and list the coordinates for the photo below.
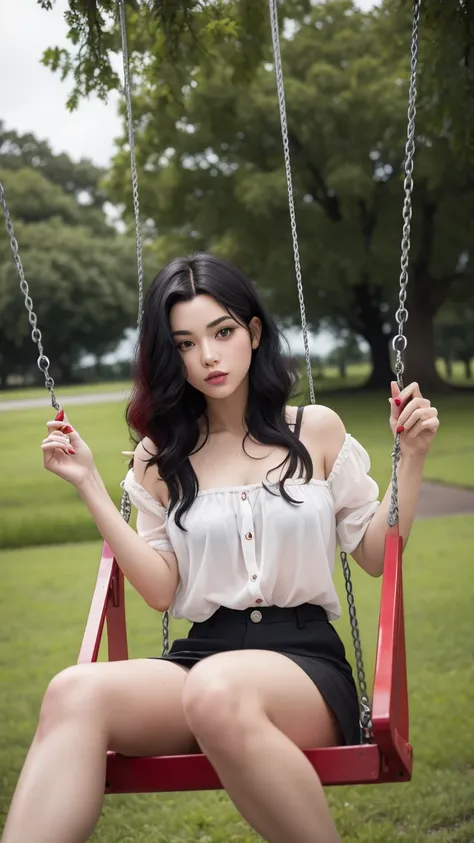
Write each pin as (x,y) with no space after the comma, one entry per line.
(214,704)
(74,692)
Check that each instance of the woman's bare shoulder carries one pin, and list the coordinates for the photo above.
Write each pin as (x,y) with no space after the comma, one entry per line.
(149,478)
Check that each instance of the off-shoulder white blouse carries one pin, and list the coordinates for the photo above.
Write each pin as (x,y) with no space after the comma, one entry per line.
(245,547)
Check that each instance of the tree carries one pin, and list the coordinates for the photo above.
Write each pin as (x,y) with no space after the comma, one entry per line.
(454,331)
(69,189)
(446,33)
(82,273)
(83,290)
(215,160)
(346,351)
(211,166)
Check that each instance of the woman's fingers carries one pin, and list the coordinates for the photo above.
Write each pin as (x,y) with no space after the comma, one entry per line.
(57,440)
(416,404)
(429,425)
(410,391)
(49,447)
(58,425)
(58,437)
(419,414)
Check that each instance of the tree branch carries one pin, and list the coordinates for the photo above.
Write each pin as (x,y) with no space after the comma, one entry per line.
(329,203)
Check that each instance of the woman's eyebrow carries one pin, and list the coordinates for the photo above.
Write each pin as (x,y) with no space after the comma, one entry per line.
(211,325)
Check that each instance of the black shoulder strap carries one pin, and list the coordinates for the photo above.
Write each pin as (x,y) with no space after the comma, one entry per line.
(299,419)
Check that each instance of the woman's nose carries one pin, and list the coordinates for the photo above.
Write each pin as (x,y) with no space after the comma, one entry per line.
(209,355)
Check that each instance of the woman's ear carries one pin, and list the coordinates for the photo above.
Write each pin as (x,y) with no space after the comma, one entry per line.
(255,328)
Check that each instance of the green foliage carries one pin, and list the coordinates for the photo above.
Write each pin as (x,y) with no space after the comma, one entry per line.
(446,37)
(210,151)
(83,288)
(212,174)
(80,179)
(82,273)
(182,32)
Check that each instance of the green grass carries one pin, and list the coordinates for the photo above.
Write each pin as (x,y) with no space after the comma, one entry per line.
(44,601)
(38,508)
(66,391)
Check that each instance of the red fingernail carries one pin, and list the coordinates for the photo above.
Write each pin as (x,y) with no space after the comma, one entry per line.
(400,429)
(60,416)
(397,401)
(67,429)
(71,451)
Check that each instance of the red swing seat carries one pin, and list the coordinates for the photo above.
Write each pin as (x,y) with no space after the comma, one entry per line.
(388,759)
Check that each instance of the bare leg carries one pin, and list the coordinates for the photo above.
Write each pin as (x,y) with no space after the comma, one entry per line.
(131,707)
(240,705)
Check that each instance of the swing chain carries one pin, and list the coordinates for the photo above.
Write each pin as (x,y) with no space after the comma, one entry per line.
(365,711)
(127,88)
(399,342)
(42,362)
(125,507)
(289,181)
(366,716)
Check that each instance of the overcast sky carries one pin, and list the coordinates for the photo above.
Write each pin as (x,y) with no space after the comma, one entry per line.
(32,98)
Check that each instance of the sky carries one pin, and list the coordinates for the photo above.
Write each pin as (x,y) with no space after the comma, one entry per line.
(33,99)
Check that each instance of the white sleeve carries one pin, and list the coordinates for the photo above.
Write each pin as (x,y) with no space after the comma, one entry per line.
(355,494)
(151,515)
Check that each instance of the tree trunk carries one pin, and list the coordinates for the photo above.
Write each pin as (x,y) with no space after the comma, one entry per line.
(370,324)
(467,368)
(382,373)
(64,366)
(448,363)
(419,358)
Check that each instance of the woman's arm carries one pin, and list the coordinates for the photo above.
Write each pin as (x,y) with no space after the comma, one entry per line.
(370,552)
(152,573)
(418,422)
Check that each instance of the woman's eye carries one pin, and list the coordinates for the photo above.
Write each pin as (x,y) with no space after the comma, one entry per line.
(224,335)
(183,346)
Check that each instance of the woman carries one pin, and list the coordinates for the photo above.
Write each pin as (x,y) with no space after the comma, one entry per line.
(240,500)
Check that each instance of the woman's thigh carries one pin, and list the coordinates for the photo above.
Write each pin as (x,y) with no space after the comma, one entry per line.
(136,703)
(232,689)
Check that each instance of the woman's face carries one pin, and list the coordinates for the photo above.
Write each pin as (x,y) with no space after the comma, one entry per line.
(211,341)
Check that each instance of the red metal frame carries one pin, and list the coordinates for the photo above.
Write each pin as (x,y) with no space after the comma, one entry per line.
(388,759)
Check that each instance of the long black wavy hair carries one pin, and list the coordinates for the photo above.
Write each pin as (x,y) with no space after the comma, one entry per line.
(167,409)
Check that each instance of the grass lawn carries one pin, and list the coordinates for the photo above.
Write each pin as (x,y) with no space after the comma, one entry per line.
(66,391)
(43,604)
(38,508)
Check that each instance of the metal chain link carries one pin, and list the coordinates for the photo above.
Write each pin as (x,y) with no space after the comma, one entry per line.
(133,160)
(401,316)
(42,362)
(399,342)
(365,713)
(364,702)
(138,235)
(289,181)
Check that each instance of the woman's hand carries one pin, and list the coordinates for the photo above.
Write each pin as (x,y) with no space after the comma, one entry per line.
(414,417)
(65,453)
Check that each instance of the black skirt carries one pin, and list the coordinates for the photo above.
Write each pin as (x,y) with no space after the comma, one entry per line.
(303,634)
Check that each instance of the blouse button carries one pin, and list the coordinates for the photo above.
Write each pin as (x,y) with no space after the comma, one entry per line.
(259,600)
(254,577)
(248,536)
(244,496)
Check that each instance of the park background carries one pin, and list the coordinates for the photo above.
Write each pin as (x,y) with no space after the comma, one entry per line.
(211,176)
